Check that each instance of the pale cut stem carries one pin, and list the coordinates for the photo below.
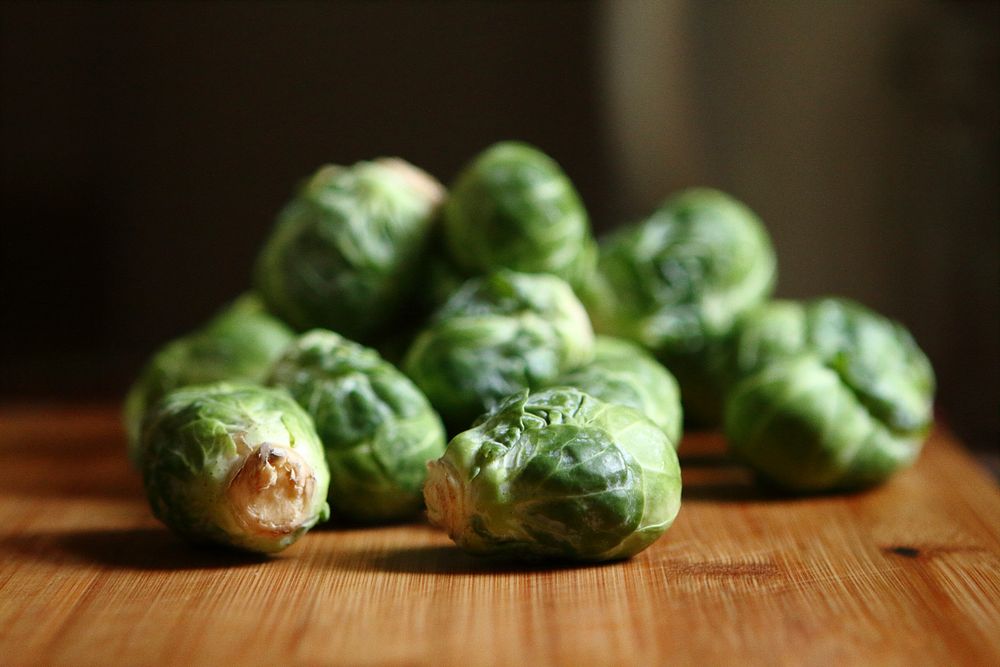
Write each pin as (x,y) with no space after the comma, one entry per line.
(445,500)
(272,491)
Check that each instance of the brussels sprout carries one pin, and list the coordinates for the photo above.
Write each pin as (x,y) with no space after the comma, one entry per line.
(240,343)
(497,335)
(678,281)
(622,372)
(378,430)
(556,474)
(345,252)
(514,208)
(768,332)
(833,396)
(234,464)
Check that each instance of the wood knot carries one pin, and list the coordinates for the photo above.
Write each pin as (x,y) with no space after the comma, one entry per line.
(906,552)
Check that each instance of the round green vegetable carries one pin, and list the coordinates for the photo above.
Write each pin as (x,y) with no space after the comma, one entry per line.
(513,207)
(623,372)
(378,430)
(240,343)
(776,329)
(345,252)
(234,464)
(497,335)
(833,396)
(557,474)
(678,281)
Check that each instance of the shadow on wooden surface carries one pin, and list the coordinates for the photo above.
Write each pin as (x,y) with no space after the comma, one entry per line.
(707,460)
(131,549)
(744,488)
(728,492)
(449,559)
(712,476)
(338,524)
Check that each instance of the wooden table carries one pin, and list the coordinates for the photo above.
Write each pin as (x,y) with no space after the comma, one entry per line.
(905,574)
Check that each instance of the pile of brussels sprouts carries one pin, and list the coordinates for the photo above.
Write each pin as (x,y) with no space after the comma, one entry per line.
(387,312)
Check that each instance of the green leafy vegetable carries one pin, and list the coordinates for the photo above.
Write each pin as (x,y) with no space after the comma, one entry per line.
(830,395)
(513,207)
(234,464)
(557,474)
(623,372)
(345,252)
(678,281)
(497,335)
(377,428)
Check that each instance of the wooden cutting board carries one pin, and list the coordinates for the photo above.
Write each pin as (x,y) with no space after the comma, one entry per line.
(905,574)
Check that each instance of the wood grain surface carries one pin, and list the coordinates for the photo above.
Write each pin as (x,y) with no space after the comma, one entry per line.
(906,574)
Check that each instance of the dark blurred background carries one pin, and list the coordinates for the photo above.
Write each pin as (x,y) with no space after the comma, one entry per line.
(147,146)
